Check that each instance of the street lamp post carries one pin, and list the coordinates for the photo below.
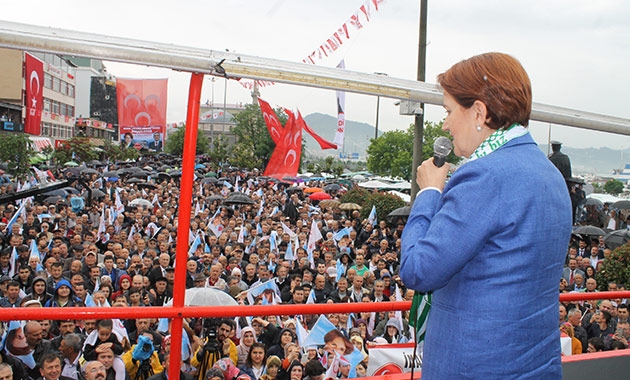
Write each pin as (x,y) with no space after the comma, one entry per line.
(378,108)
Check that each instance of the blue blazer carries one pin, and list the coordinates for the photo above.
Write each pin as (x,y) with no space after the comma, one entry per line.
(491,248)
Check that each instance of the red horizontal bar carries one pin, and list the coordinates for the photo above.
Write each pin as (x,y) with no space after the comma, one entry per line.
(57,313)
(569,297)
(53,313)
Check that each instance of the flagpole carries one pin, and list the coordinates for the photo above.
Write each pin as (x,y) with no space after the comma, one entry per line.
(181,256)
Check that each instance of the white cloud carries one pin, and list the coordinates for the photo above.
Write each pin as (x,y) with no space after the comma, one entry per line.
(576,52)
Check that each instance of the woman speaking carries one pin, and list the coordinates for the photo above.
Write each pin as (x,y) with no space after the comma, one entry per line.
(490,244)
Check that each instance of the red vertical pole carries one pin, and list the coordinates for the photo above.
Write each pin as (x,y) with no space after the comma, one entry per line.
(183,225)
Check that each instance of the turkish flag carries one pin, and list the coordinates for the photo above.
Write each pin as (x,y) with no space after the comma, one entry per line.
(141,102)
(34,94)
(271,120)
(285,160)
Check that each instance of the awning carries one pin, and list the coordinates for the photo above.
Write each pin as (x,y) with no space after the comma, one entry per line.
(11,106)
(40,143)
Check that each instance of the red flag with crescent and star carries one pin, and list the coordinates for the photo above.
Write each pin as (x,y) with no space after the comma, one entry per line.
(274,126)
(285,160)
(34,94)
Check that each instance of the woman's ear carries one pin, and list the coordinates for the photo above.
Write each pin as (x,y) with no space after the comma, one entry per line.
(481,112)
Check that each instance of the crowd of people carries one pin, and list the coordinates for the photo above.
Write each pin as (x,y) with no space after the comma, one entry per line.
(116,251)
(597,325)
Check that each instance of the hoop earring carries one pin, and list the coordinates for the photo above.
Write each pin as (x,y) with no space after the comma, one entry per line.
(478,128)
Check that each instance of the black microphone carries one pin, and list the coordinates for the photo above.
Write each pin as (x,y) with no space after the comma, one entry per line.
(441,148)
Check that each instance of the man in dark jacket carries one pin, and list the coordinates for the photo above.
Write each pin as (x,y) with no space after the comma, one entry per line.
(560,160)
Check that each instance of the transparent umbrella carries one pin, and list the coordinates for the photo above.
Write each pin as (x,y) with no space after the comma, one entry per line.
(207,297)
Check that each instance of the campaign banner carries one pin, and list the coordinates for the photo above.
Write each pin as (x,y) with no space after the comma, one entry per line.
(390,359)
(341,113)
(142,112)
(34,94)
(150,138)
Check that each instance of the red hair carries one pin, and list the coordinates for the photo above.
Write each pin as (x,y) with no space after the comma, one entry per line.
(498,80)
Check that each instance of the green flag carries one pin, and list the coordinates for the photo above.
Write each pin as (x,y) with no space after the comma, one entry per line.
(419,314)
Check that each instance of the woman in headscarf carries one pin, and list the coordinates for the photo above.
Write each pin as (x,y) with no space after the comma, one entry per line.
(248,337)
(272,367)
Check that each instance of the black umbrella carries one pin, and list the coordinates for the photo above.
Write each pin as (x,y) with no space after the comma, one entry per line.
(238,198)
(616,238)
(332,187)
(56,193)
(294,189)
(70,190)
(140,174)
(175,173)
(54,199)
(578,181)
(209,180)
(401,214)
(402,211)
(89,171)
(72,171)
(593,201)
(145,185)
(96,193)
(134,180)
(164,177)
(623,204)
(588,230)
(111,174)
(95,163)
(124,171)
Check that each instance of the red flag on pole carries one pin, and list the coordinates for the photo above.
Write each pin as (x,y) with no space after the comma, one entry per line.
(271,120)
(34,94)
(285,160)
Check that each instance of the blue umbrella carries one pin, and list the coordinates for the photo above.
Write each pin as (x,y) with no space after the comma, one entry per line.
(200,166)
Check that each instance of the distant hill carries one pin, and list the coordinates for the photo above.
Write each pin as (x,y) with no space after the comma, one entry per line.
(599,161)
(357,135)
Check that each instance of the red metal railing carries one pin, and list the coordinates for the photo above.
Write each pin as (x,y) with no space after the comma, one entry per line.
(177,312)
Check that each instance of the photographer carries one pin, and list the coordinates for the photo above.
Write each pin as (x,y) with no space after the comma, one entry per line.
(141,361)
(216,345)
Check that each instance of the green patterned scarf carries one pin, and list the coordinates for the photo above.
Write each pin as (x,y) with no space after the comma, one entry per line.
(497,139)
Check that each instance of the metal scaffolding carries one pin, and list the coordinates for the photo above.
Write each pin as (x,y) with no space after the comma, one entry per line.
(60,41)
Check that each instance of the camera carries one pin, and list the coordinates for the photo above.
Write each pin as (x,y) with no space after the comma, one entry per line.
(210,327)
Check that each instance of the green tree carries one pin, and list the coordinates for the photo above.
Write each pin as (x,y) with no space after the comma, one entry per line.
(219,151)
(81,147)
(254,146)
(391,154)
(17,150)
(615,268)
(613,187)
(117,152)
(175,143)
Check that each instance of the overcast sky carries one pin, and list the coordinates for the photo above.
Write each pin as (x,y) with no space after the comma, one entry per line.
(577,53)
